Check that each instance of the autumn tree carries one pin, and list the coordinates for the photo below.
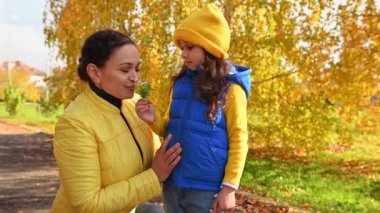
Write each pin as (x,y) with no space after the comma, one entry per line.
(20,78)
(3,82)
(315,63)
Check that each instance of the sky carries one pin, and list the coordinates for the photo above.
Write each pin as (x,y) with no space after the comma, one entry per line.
(21,33)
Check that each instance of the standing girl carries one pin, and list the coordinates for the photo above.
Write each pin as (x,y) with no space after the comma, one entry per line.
(207,116)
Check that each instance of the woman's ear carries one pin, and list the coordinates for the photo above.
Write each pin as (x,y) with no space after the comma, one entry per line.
(94,74)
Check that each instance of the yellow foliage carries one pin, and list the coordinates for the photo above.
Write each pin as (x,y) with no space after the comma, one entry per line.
(315,67)
(21,79)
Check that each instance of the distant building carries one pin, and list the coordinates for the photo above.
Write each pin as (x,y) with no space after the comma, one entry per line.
(36,76)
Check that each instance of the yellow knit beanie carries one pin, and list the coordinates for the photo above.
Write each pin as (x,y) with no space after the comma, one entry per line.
(206,28)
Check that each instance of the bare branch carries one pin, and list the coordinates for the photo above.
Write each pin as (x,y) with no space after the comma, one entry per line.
(274,77)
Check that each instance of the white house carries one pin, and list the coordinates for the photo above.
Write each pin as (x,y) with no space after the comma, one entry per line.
(36,76)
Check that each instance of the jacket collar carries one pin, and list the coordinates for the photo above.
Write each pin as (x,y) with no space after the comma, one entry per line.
(105,97)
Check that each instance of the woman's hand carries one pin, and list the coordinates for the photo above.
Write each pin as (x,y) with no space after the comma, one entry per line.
(145,111)
(164,161)
(225,200)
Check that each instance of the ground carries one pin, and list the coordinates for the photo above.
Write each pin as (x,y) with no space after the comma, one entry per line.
(29,176)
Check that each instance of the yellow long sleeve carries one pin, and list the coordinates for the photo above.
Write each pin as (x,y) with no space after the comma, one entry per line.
(236,116)
(160,124)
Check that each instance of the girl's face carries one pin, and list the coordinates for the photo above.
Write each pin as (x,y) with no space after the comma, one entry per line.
(121,72)
(192,55)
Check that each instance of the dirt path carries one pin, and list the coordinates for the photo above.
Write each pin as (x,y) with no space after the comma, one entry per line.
(7,128)
(29,176)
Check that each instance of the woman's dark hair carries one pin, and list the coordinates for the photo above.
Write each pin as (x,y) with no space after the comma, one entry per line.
(98,48)
(210,86)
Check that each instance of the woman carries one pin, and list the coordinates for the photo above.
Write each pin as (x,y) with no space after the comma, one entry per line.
(106,155)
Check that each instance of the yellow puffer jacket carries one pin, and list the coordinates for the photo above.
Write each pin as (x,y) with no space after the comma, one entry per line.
(100,166)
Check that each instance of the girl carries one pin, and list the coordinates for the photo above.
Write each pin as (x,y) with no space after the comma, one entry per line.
(207,116)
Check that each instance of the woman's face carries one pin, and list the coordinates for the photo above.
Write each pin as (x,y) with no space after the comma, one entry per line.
(119,75)
(192,55)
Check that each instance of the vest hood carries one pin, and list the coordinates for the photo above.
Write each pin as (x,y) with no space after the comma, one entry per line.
(240,75)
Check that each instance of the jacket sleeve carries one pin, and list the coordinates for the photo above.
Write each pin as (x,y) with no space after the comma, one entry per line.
(76,154)
(236,116)
(160,124)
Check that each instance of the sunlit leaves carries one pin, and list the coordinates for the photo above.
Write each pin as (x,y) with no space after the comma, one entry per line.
(315,63)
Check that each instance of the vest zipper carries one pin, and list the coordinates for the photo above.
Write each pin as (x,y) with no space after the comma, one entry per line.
(185,117)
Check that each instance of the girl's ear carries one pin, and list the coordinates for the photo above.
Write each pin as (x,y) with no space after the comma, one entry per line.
(94,74)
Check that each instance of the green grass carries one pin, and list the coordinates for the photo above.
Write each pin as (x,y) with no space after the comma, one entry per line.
(29,115)
(322,185)
(313,185)
(364,151)
(344,178)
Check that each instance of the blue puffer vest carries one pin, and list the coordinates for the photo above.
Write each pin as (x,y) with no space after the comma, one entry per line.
(204,144)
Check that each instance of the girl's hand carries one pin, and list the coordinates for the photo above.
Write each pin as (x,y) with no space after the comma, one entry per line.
(164,161)
(225,200)
(145,111)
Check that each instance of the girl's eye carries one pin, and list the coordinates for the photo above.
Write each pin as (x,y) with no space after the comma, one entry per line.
(124,70)
(186,47)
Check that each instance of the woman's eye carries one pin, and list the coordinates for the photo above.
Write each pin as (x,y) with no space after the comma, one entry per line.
(124,70)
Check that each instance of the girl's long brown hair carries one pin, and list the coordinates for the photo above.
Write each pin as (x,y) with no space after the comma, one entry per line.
(210,85)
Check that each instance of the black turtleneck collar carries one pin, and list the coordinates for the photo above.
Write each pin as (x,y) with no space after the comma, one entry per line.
(103,94)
